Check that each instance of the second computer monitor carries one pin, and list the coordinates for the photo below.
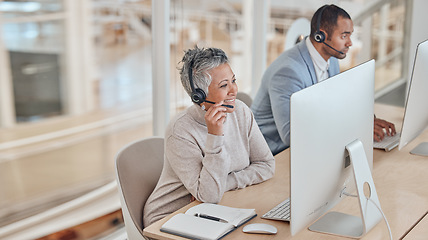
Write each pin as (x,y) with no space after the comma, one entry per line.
(416,113)
(325,118)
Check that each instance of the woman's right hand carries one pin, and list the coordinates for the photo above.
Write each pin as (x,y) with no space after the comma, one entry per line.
(215,117)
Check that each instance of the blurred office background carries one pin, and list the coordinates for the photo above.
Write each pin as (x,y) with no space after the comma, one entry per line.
(79,79)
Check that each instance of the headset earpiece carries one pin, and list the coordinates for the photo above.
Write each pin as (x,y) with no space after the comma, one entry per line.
(198,95)
(319,35)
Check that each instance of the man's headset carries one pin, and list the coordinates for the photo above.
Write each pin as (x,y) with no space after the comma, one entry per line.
(319,35)
(198,95)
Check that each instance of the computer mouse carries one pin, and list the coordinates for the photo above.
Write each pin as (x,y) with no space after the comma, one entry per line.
(262,228)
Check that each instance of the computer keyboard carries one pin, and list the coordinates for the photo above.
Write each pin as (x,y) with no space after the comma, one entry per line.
(388,143)
(279,212)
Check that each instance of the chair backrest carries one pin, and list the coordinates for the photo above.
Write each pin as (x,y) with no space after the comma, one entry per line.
(244,97)
(138,168)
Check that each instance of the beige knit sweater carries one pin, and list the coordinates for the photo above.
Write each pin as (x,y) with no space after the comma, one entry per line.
(204,165)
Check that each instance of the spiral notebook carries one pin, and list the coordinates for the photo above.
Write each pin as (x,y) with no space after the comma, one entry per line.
(207,221)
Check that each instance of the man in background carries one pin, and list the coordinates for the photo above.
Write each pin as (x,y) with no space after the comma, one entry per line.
(312,60)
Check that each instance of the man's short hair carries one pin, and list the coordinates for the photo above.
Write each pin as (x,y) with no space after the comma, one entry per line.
(330,14)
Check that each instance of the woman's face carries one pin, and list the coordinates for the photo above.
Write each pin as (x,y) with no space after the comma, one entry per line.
(222,87)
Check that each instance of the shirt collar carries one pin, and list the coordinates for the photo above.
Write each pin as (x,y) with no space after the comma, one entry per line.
(319,62)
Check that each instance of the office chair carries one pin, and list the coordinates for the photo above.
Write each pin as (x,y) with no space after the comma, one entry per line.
(244,97)
(138,168)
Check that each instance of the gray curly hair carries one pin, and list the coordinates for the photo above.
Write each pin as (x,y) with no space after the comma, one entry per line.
(201,60)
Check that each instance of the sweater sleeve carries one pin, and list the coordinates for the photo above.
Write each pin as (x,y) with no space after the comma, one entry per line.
(204,176)
(262,162)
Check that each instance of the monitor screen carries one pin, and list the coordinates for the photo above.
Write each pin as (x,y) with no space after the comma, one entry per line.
(416,114)
(325,118)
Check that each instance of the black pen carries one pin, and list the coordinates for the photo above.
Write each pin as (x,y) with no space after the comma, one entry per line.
(210,217)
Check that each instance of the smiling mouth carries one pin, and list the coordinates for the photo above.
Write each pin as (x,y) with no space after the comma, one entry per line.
(229,101)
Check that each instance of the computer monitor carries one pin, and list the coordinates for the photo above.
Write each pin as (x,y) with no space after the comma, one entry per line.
(416,114)
(325,119)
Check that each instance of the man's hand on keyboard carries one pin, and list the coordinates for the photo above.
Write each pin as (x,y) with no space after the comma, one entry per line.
(381,127)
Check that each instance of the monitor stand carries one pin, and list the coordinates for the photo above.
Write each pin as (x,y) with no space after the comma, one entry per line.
(342,224)
(421,149)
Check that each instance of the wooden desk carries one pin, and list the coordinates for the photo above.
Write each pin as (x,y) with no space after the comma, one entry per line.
(420,231)
(400,180)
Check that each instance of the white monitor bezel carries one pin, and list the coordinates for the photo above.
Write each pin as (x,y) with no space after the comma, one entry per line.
(415,119)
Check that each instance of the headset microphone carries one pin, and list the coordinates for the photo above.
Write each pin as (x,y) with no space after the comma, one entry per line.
(319,35)
(224,105)
(198,95)
(333,48)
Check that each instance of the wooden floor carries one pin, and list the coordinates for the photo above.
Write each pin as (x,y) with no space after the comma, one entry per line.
(94,229)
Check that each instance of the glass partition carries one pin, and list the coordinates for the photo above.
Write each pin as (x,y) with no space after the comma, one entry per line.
(36,53)
(387,36)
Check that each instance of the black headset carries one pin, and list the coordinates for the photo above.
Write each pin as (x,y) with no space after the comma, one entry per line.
(198,95)
(319,36)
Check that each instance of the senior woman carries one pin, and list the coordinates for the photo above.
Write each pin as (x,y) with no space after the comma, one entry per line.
(213,146)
